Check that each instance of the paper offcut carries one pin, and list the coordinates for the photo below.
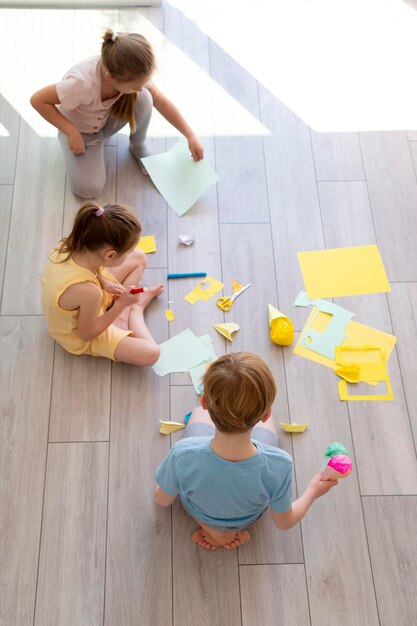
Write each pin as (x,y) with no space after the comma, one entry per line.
(227,329)
(147,244)
(180,353)
(205,290)
(170,315)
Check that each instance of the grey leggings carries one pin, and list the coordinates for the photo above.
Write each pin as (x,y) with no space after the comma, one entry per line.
(87,172)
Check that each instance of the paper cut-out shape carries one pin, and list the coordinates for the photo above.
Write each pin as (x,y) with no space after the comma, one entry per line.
(343,271)
(372,368)
(178,178)
(356,333)
(293,428)
(198,371)
(205,290)
(186,240)
(227,329)
(236,286)
(167,428)
(282,330)
(324,342)
(147,244)
(345,395)
(170,315)
(180,353)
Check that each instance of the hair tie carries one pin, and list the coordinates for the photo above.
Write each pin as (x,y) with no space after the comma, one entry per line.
(99,212)
(114,36)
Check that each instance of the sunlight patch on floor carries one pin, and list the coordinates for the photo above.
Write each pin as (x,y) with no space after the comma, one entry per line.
(339,65)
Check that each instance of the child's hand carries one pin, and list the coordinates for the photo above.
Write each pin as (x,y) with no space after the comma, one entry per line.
(319,487)
(75,142)
(127,299)
(196,148)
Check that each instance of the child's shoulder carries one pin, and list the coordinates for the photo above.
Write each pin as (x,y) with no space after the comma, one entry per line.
(273,454)
(191,445)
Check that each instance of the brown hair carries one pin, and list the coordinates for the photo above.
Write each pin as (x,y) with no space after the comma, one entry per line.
(239,389)
(130,55)
(116,227)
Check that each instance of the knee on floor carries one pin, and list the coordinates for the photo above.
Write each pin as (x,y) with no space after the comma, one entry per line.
(87,189)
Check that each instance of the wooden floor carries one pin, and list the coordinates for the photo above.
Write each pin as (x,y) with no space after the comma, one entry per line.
(81,540)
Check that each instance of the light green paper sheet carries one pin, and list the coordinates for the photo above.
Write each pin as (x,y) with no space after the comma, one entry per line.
(198,371)
(178,178)
(181,353)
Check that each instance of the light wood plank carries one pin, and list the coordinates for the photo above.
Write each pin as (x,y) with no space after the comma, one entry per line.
(403,305)
(80,404)
(393,192)
(280,592)
(72,558)
(333,530)
(36,220)
(138,581)
(347,221)
(206,584)
(392,529)
(292,191)
(268,545)
(25,375)
(337,156)
(239,159)
(10,121)
(6,193)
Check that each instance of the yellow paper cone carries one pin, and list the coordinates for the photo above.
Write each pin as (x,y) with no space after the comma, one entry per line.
(227,329)
(170,427)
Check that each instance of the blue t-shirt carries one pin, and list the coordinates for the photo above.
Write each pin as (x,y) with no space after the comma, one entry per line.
(228,494)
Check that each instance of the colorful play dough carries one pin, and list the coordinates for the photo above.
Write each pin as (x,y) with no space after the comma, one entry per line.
(339,466)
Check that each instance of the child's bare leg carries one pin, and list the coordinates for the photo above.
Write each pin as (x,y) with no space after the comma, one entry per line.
(141,349)
(200,415)
(131,270)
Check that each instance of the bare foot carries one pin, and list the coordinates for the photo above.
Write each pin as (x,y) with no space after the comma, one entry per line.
(147,296)
(204,541)
(242,536)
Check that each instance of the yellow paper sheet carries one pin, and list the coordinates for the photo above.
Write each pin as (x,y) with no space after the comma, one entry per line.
(227,329)
(343,272)
(293,428)
(170,315)
(371,368)
(356,334)
(205,290)
(170,427)
(147,244)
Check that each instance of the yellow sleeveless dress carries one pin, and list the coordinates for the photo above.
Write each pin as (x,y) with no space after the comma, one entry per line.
(62,324)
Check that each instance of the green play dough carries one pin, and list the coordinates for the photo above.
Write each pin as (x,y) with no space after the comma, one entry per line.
(335,448)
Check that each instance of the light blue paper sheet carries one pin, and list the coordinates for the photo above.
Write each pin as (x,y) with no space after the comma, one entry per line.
(198,371)
(181,353)
(324,342)
(178,178)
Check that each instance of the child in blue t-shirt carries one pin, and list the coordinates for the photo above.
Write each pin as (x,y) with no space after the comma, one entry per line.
(228,469)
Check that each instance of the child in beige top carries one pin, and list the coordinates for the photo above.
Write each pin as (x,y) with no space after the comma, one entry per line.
(96,98)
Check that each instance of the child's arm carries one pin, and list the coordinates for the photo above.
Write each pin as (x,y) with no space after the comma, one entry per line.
(162,498)
(45,101)
(87,297)
(299,507)
(170,112)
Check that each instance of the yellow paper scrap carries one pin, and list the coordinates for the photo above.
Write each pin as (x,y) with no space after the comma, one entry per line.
(236,286)
(205,290)
(293,428)
(170,315)
(170,427)
(344,393)
(227,329)
(369,360)
(147,244)
(343,272)
(356,333)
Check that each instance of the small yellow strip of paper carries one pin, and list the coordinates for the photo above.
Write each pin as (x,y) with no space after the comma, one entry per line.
(205,290)
(147,244)
(227,329)
(170,315)
(236,286)
(293,428)
(170,427)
